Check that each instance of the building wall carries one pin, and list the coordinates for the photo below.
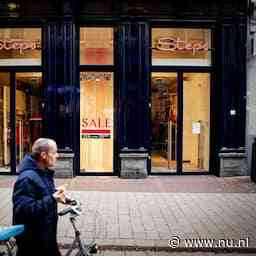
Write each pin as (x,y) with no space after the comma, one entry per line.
(250,109)
(60,21)
(251,88)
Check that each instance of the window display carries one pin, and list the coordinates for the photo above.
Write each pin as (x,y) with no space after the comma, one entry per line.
(96,122)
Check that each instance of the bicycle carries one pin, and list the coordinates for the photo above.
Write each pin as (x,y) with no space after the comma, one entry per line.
(7,239)
(74,210)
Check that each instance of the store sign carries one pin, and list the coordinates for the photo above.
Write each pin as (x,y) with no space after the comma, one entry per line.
(172,44)
(95,76)
(19,44)
(98,128)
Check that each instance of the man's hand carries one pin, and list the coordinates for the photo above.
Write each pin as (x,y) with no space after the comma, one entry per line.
(59,196)
(62,187)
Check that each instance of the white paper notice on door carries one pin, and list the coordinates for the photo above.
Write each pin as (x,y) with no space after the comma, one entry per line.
(196,127)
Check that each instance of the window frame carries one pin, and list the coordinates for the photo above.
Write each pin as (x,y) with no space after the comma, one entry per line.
(98,68)
(180,70)
(42,48)
(18,69)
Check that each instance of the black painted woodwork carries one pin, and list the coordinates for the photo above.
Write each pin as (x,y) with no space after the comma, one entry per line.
(133,86)
(60,82)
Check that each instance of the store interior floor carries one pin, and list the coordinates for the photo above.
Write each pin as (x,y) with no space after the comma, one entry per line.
(161,164)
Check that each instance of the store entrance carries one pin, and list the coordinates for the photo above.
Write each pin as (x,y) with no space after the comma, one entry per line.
(180,118)
(21,99)
(164,121)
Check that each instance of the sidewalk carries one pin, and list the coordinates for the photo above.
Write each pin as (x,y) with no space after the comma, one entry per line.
(146,214)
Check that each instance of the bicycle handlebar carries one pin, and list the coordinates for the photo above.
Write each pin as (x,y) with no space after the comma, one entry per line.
(73,209)
(65,211)
(70,201)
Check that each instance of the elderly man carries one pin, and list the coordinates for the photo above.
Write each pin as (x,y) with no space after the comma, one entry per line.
(35,201)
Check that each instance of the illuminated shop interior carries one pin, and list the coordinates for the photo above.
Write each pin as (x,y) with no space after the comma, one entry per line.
(196,122)
(28,114)
(96,122)
(170,47)
(19,47)
(96,101)
(180,47)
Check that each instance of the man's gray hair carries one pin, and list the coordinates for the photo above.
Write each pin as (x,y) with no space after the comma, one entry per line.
(41,145)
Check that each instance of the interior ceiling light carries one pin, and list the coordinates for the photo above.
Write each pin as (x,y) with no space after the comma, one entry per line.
(12,6)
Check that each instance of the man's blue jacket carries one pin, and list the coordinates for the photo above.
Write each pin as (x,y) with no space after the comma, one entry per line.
(35,207)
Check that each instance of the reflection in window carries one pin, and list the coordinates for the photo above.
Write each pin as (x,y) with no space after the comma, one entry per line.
(5,122)
(29,92)
(96,46)
(20,46)
(181,47)
(96,122)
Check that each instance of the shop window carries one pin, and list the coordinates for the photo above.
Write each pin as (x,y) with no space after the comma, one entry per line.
(29,93)
(181,47)
(96,121)
(20,46)
(96,46)
(5,122)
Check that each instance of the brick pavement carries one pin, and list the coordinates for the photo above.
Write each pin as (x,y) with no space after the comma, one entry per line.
(147,217)
(183,184)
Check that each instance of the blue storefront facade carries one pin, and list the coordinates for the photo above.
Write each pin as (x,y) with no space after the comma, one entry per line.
(126,88)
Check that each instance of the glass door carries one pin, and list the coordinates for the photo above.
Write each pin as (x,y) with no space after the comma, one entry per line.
(164,122)
(196,122)
(21,98)
(180,122)
(180,101)
(28,112)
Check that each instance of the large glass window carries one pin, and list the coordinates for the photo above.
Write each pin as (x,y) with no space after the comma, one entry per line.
(96,122)
(21,94)
(96,46)
(96,99)
(181,47)
(29,93)
(5,122)
(20,46)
